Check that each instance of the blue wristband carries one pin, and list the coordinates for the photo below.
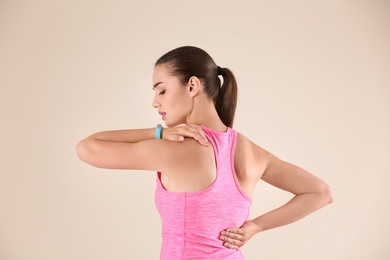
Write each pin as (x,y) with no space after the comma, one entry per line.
(159,131)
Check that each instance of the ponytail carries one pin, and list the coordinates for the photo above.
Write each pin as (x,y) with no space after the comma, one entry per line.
(226,101)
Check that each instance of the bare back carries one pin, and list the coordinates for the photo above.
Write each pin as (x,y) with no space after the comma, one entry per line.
(195,167)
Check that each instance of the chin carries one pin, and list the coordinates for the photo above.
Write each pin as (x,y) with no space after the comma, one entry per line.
(169,124)
(172,124)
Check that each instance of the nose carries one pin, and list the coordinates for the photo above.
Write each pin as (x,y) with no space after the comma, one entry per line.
(155,103)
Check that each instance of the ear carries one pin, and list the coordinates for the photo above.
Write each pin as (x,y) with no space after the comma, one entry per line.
(194,86)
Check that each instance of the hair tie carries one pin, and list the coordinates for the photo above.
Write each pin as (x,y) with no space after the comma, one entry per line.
(220,70)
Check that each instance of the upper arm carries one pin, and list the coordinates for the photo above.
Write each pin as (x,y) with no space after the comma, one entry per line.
(254,163)
(144,155)
(290,177)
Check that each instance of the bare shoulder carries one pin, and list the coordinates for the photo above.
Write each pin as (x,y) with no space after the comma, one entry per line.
(250,162)
(254,155)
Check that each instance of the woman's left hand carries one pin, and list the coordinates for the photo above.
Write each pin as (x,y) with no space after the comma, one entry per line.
(178,133)
(234,238)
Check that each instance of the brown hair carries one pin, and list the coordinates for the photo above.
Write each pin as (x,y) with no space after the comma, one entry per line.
(187,61)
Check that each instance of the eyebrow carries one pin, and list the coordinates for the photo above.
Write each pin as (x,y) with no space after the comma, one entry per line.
(155,85)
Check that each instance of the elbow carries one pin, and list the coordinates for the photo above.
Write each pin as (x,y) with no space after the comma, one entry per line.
(326,195)
(88,152)
(82,150)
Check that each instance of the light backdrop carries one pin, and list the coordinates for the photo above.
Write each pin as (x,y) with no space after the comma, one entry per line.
(314,89)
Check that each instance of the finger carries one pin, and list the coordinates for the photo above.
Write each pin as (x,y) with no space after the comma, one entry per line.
(235,231)
(202,140)
(194,133)
(230,246)
(175,138)
(232,242)
(195,128)
(198,129)
(233,236)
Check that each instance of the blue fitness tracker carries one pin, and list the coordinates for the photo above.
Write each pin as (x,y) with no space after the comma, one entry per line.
(159,131)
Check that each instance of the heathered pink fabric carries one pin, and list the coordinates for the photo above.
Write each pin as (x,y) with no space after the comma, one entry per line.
(192,221)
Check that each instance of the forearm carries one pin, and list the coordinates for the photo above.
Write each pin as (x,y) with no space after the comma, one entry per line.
(114,149)
(126,136)
(88,148)
(297,208)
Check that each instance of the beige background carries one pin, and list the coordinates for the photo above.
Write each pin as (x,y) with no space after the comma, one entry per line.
(314,89)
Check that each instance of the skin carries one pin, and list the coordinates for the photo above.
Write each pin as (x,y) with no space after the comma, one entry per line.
(187,166)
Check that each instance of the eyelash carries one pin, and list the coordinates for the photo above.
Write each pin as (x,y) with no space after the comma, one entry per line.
(162,92)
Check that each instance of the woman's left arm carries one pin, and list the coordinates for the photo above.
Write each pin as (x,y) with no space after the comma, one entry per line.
(310,193)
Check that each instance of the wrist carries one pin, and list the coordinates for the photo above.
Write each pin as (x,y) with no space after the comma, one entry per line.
(257,227)
(159,131)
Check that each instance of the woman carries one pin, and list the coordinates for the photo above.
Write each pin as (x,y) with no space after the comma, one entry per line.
(207,172)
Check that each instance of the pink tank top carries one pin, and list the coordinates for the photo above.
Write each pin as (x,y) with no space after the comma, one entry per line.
(192,221)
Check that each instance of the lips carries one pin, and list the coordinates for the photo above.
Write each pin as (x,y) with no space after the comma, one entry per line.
(162,114)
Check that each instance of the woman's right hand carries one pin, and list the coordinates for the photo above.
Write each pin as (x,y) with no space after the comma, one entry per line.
(178,133)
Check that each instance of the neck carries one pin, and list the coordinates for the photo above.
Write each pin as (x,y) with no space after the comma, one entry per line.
(204,113)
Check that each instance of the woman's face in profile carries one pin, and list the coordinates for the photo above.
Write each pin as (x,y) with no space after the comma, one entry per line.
(171,98)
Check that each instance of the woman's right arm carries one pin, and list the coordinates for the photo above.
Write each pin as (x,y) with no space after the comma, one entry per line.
(135,135)
(133,149)
(125,136)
